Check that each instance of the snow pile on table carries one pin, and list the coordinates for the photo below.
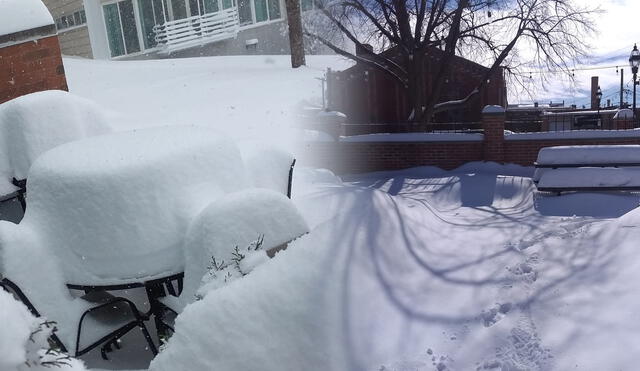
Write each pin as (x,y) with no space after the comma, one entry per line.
(116,207)
(34,123)
(228,227)
(22,15)
(281,316)
(23,341)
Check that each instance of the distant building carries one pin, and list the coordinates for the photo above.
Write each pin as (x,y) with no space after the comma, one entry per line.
(108,29)
(367,95)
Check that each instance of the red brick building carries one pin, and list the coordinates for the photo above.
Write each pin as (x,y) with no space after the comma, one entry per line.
(367,95)
(30,61)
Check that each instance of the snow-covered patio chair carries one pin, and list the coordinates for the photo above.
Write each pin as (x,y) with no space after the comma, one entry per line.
(269,168)
(254,224)
(32,124)
(32,276)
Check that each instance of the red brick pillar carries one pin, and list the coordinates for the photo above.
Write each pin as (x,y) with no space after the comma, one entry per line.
(623,120)
(493,124)
(30,61)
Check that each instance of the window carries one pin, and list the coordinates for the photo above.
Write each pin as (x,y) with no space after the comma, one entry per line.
(256,11)
(121,28)
(151,15)
(75,19)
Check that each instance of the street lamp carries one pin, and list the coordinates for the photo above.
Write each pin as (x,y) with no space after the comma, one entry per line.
(634,62)
(598,99)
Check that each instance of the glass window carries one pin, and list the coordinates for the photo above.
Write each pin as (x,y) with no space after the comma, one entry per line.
(194,7)
(129,29)
(83,16)
(147,14)
(260,7)
(306,4)
(179,8)
(226,4)
(76,18)
(244,12)
(211,6)
(114,31)
(274,9)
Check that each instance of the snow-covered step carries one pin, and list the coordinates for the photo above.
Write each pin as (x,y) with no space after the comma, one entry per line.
(590,178)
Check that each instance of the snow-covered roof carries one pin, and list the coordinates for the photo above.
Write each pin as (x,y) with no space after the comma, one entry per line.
(22,15)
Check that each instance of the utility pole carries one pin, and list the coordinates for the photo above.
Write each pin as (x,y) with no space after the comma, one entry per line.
(621,87)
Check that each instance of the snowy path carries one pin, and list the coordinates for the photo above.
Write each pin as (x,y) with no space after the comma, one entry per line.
(471,270)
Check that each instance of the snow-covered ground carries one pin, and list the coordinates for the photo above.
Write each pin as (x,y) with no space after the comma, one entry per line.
(473,270)
(421,269)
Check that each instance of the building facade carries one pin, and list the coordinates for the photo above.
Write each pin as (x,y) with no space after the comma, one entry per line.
(369,96)
(130,29)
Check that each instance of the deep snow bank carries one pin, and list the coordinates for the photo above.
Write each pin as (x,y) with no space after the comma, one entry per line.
(283,315)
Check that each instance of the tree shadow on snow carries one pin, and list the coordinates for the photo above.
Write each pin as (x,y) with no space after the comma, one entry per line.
(406,270)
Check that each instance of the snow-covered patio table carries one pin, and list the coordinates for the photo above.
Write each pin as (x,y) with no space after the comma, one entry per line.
(114,208)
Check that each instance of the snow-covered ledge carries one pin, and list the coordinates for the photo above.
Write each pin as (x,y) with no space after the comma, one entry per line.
(493,110)
(24,20)
(576,134)
(413,137)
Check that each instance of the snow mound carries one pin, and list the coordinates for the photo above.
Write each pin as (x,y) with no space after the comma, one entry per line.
(133,194)
(22,15)
(34,123)
(238,220)
(282,315)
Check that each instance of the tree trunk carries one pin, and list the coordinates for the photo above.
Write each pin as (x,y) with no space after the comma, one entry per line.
(296,41)
(416,86)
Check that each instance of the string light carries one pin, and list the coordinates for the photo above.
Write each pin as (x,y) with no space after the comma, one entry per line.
(573,70)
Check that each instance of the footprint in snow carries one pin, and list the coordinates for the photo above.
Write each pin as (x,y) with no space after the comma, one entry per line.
(494,315)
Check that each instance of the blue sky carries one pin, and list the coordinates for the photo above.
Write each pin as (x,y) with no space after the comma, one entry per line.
(618,29)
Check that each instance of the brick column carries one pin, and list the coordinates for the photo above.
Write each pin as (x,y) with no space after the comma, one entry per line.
(493,124)
(30,61)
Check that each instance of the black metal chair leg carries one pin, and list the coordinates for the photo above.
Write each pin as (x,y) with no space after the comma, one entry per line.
(147,336)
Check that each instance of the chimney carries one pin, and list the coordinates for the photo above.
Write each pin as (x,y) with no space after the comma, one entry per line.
(594,90)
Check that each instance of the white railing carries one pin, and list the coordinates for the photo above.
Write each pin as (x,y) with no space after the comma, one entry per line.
(197,30)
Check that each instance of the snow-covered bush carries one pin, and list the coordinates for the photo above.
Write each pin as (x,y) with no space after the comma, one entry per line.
(242,262)
(24,341)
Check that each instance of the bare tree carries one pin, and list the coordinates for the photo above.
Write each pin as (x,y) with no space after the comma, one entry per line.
(296,41)
(541,34)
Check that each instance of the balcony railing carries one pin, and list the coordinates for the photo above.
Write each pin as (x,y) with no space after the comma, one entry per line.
(197,30)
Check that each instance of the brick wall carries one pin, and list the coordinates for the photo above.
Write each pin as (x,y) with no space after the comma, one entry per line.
(362,157)
(30,66)
(352,158)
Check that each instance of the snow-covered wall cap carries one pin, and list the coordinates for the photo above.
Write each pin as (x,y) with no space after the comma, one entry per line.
(493,110)
(623,114)
(22,15)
